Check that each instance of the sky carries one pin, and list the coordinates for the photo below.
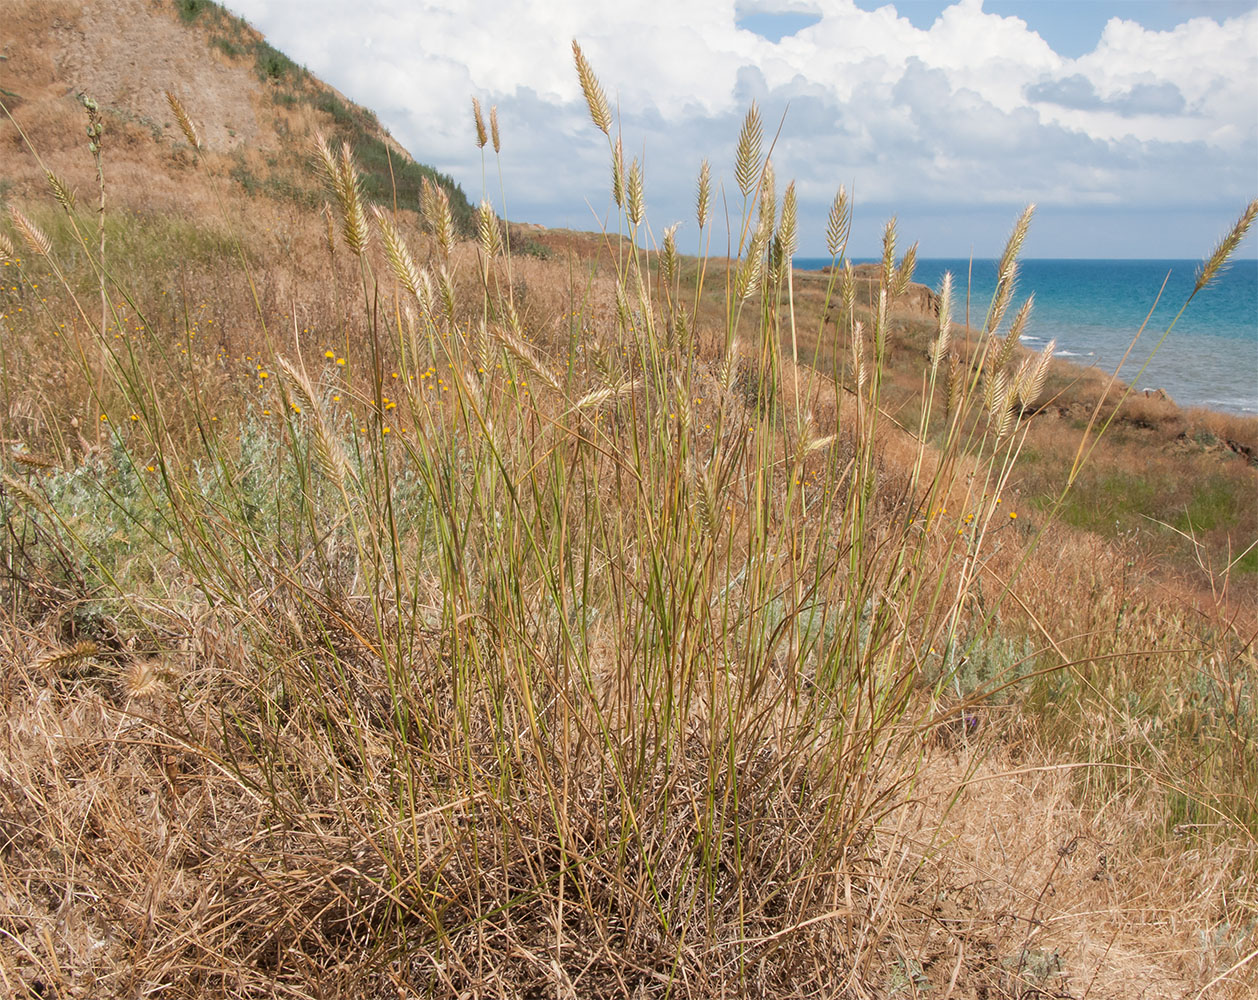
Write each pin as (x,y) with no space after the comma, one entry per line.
(1132,124)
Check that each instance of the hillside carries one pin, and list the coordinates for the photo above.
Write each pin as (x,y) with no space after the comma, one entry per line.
(258,110)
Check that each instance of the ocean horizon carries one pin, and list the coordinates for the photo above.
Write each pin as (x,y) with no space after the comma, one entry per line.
(1094,308)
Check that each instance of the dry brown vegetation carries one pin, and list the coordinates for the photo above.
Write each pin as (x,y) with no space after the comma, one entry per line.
(604,650)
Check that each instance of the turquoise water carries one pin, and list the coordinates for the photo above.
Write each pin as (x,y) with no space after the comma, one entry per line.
(1093,309)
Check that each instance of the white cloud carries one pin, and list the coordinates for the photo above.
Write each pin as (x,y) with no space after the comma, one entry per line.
(975,110)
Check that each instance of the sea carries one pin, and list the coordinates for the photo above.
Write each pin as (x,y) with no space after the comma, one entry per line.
(1094,308)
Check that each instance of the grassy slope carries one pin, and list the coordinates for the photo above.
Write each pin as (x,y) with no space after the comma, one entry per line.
(261,827)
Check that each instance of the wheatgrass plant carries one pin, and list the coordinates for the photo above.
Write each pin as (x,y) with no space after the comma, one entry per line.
(597,670)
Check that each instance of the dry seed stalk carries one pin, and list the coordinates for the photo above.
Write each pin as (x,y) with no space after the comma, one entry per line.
(595,99)
(839,224)
(7,252)
(61,191)
(618,175)
(704,200)
(34,237)
(67,657)
(26,497)
(487,228)
(788,230)
(939,347)
(747,157)
(398,254)
(481,136)
(635,207)
(1218,259)
(493,129)
(185,123)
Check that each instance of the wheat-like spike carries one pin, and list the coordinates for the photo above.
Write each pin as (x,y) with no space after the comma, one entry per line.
(704,199)
(1022,374)
(69,656)
(26,497)
(939,347)
(618,174)
(482,137)
(34,461)
(839,224)
(487,228)
(329,456)
(749,272)
(635,197)
(397,252)
(185,123)
(425,296)
(747,156)
(1002,417)
(1020,318)
(1014,245)
(516,345)
(434,204)
(493,129)
(484,345)
(682,405)
(32,235)
(61,191)
(668,258)
(1215,264)
(1034,385)
(300,386)
(683,327)
(788,228)
(1002,297)
(995,388)
(327,161)
(356,232)
(904,273)
(7,252)
(816,444)
(888,252)
(595,99)
(768,196)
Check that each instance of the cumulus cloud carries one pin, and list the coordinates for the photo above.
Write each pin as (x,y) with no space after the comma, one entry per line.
(975,111)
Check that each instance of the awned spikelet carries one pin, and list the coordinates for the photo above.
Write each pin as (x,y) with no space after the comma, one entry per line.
(839,223)
(635,196)
(482,137)
(143,680)
(595,99)
(493,129)
(397,252)
(703,201)
(1213,265)
(434,203)
(747,156)
(487,231)
(1029,390)
(185,123)
(618,175)
(939,346)
(26,497)
(32,235)
(61,191)
(7,252)
(68,657)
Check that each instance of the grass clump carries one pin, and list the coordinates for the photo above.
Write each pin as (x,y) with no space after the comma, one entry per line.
(464,653)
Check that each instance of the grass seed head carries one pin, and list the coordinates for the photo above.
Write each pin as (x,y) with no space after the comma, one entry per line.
(839,223)
(1215,264)
(482,137)
(185,123)
(747,155)
(703,201)
(34,237)
(595,99)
